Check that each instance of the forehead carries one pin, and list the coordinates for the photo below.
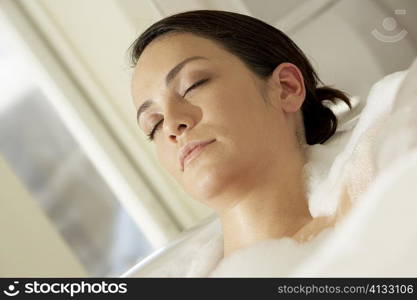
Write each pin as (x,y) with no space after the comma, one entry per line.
(162,54)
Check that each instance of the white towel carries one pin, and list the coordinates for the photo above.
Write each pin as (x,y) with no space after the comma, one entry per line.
(354,166)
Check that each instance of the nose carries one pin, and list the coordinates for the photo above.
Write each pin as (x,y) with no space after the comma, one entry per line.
(177,121)
(178,131)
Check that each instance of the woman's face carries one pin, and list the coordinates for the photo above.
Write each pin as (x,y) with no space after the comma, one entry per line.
(253,140)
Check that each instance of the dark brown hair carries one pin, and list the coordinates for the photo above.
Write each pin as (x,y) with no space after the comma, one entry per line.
(262,48)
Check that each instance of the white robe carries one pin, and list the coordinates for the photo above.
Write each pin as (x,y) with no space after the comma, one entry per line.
(373,159)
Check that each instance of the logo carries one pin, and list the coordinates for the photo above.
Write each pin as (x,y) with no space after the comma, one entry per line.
(69,288)
(11,291)
(390,24)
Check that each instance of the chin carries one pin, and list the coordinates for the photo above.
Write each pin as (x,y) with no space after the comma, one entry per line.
(207,184)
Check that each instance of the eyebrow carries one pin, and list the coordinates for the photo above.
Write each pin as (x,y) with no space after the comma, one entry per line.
(168,78)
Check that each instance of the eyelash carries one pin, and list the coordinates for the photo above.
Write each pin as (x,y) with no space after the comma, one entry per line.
(152,133)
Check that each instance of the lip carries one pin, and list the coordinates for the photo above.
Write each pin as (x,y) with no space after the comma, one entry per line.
(189,148)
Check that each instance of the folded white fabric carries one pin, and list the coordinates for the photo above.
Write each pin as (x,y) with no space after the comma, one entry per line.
(354,165)
(366,160)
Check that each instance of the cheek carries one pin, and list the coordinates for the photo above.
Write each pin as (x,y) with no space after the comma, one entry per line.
(246,119)
(167,159)
(231,109)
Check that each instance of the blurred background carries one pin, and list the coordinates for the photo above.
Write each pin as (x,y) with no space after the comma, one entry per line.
(81,192)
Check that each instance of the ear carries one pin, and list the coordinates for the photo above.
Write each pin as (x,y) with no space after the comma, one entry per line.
(289,83)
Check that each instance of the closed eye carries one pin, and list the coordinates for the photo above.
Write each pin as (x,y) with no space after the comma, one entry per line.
(195,85)
(151,135)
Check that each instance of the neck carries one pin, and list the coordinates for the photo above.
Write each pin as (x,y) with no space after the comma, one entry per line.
(269,210)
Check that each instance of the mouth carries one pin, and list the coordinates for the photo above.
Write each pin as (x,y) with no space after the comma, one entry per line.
(194,151)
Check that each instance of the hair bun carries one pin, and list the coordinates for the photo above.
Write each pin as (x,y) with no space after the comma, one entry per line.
(320,122)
